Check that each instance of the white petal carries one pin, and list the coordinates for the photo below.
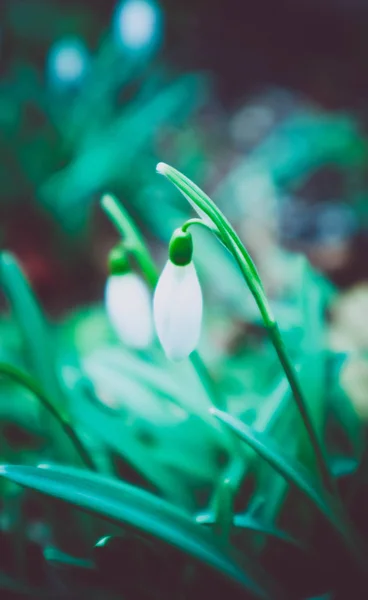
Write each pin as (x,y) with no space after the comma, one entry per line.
(128,306)
(177,308)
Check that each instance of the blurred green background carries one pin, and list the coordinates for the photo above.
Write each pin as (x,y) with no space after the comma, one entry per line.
(265,108)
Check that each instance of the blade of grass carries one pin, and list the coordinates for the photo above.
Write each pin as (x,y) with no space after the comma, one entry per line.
(249,523)
(313,376)
(30,384)
(296,475)
(32,325)
(223,502)
(126,505)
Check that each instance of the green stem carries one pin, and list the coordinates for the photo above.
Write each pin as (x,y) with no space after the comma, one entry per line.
(289,370)
(223,509)
(293,380)
(278,343)
(279,346)
(131,236)
(30,384)
(201,223)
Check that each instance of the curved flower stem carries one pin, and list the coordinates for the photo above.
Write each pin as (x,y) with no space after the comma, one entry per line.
(234,245)
(203,224)
(291,375)
(30,384)
(279,346)
(134,242)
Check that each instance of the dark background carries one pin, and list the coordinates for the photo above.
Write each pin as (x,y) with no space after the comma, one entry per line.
(315,51)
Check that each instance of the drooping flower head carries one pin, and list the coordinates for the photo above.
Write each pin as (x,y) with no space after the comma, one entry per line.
(177,303)
(128,302)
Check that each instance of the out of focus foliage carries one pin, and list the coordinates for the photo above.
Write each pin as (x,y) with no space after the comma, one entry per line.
(81,112)
(71,129)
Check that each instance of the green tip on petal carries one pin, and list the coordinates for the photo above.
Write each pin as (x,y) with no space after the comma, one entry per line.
(181,248)
(118,262)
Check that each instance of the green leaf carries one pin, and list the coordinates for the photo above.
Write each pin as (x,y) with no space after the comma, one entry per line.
(120,436)
(27,312)
(140,384)
(126,505)
(28,383)
(343,466)
(292,470)
(313,373)
(105,158)
(223,502)
(131,396)
(53,555)
(245,521)
(342,408)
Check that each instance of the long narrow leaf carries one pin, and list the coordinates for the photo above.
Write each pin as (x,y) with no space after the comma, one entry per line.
(313,374)
(249,523)
(126,505)
(32,324)
(292,470)
(31,385)
(206,209)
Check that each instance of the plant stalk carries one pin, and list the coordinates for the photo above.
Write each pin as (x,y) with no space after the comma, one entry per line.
(30,384)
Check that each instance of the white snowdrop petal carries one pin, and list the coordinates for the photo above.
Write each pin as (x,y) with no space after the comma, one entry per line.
(128,306)
(177,307)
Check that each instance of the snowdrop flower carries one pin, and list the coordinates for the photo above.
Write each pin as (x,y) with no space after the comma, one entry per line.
(177,302)
(138,25)
(68,63)
(128,303)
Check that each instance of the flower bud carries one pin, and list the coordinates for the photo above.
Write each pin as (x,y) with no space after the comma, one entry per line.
(181,248)
(128,302)
(118,262)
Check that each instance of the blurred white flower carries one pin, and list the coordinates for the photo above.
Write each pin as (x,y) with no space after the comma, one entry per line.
(138,24)
(128,306)
(68,62)
(177,309)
